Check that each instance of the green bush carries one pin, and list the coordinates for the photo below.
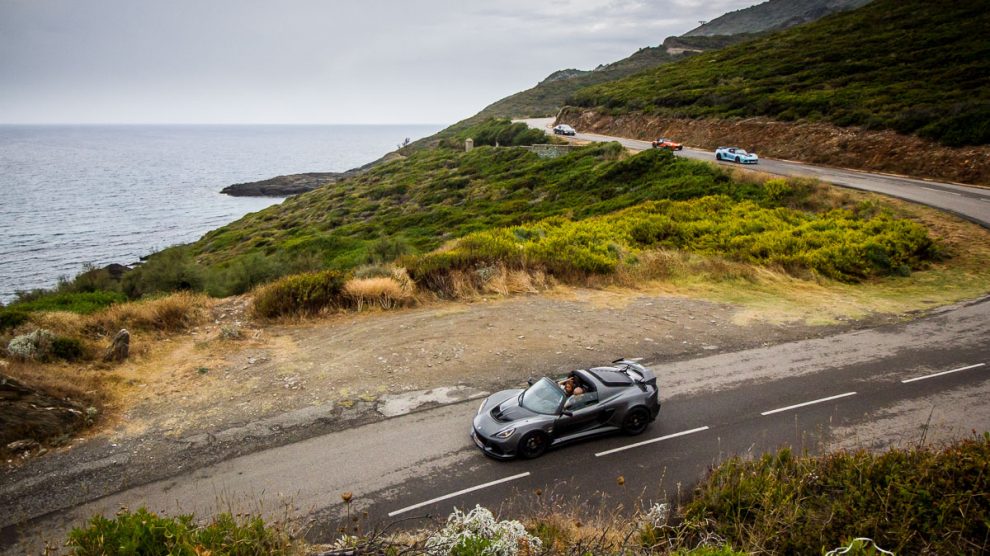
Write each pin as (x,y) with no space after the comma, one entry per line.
(839,244)
(12,318)
(173,269)
(67,349)
(74,302)
(909,501)
(143,533)
(307,293)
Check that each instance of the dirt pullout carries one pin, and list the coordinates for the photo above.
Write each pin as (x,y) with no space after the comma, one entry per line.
(818,143)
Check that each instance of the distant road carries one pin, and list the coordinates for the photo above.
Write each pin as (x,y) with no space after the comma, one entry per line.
(970,202)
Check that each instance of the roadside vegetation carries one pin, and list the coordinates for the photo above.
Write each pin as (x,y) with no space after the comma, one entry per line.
(912,66)
(915,500)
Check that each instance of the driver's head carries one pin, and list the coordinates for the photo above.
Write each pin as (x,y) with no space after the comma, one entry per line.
(569,386)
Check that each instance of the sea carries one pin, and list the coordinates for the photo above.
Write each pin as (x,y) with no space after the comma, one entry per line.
(72,196)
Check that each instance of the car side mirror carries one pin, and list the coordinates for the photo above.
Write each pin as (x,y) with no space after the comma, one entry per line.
(531,381)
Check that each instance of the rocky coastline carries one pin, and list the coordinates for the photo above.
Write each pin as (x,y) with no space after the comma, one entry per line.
(294,184)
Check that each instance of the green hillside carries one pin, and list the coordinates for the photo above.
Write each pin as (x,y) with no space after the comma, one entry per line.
(912,66)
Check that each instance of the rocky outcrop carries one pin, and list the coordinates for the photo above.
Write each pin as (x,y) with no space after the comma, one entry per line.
(283,186)
(31,417)
(294,184)
(817,143)
(119,348)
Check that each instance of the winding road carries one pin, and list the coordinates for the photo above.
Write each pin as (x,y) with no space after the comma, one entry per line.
(896,385)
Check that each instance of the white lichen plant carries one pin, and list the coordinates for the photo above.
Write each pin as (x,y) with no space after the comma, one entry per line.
(36,345)
(478,532)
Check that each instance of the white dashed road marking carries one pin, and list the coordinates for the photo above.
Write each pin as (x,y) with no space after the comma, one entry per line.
(458,493)
(651,441)
(813,402)
(915,379)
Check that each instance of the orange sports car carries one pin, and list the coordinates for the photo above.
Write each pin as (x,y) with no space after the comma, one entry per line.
(663,143)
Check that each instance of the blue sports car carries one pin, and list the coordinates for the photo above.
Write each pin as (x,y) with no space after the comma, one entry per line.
(736,154)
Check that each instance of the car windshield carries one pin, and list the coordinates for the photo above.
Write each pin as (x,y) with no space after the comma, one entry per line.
(740,151)
(544,396)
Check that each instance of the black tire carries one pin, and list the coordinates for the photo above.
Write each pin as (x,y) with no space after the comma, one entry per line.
(533,445)
(636,421)
(718,156)
(737,160)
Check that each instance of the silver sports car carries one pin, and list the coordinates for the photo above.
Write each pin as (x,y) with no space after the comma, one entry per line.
(550,412)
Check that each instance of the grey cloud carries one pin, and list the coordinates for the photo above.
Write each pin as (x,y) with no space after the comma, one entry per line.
(306,61)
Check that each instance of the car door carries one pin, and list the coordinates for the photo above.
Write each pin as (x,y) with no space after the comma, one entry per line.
(579,413)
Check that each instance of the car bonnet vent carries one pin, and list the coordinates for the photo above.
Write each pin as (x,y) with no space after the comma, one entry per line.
(498,414)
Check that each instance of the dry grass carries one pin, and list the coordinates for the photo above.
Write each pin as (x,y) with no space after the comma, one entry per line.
(171,313)
(386,292)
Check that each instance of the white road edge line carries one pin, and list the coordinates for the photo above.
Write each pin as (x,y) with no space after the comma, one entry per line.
(931,189)
(651,441)
(907,380)
(828,399)
(458,493)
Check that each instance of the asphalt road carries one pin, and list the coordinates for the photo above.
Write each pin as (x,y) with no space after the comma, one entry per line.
(896,385)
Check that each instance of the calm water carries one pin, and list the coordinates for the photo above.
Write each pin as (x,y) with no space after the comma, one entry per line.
(71,195)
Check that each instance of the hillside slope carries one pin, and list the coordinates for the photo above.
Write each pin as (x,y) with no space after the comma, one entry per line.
(911,66)
(772,15)
(548,96)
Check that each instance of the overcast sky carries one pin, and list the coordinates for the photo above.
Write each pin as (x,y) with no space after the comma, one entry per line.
(308,61)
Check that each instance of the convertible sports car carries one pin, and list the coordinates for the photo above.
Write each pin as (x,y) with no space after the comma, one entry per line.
(525,423)
(736,154)
(663,143)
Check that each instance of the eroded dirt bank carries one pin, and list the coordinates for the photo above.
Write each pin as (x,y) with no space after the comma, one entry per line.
(852,147)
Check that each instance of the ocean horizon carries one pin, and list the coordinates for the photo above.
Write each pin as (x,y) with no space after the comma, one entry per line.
(73,195)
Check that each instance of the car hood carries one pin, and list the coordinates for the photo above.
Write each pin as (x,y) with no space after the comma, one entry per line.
(500,411)
(509,410)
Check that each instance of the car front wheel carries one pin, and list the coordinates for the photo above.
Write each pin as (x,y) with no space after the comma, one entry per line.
(636,421)
(533,445)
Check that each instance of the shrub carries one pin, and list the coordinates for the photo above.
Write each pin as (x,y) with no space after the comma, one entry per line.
(67,349)
(148,534)
(307,293)
(910,501)
(242,274)
(73,302)
(171,270)
(477,533)
(385,291)
(12,318)
(171,313)
(36,345)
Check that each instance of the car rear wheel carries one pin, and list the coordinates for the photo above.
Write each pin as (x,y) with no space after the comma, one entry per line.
(636,421)
(533,445)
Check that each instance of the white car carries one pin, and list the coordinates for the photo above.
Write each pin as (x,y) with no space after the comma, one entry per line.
(736,154)
(563,129)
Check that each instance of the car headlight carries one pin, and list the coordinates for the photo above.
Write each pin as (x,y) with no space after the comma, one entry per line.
(505,433)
